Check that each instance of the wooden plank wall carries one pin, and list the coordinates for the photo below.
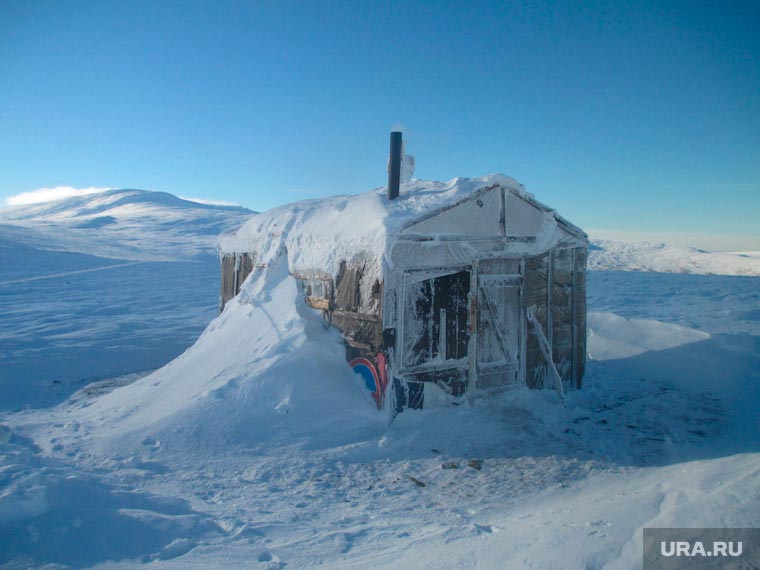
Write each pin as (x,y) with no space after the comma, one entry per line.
(235,270)
(342,304)
(555,283)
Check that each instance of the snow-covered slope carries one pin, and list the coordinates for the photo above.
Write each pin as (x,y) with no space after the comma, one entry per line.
(613,255)
(100,285)
(68,319)
(266,368)
(122,224)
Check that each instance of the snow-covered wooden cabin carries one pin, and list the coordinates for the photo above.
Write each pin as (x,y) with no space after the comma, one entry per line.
(444,292)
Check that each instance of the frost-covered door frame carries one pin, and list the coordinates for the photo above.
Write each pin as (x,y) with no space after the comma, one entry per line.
(490,274)
(410,277)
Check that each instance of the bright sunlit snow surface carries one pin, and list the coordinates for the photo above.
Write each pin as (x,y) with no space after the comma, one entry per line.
(611,255)
(124,224)
(100,285)
(258,447)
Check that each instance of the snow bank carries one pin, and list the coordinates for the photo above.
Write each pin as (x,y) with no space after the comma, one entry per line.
(267,368)
(259,445)
(611,336)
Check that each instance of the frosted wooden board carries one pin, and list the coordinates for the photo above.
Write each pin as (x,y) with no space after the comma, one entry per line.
(522,218)
(498,331)
(478,217)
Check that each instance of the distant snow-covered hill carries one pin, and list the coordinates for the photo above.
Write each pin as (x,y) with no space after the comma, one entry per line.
(101,285)
(122,224)
(613,255)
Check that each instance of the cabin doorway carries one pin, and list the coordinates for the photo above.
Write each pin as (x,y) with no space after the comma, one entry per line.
(500,323)
(435,334)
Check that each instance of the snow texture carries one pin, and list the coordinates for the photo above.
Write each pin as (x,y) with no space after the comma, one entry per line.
(259,448)
(83,297)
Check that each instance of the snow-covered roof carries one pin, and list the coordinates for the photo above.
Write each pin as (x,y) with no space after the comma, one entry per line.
(320,233)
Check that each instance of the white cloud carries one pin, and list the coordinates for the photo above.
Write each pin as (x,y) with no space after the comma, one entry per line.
(50,195)
(210,202)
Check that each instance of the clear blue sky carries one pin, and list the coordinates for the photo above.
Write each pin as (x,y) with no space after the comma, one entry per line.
(624,115)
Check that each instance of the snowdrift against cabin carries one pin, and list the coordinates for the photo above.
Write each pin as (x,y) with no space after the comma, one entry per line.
(451,289)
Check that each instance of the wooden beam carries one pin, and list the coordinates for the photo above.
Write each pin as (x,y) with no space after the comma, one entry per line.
(356,316)
(318,303)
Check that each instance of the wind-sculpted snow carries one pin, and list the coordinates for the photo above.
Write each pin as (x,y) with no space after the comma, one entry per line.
(67,319)
(266,368)
(50,516)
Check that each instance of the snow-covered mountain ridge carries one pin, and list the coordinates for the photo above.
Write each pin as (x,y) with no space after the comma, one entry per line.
(123,224)
(614,255)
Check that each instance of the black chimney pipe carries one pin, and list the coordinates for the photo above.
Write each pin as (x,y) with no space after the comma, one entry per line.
(394,166)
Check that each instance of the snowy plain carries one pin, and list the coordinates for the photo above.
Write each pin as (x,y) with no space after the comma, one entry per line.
(258,448)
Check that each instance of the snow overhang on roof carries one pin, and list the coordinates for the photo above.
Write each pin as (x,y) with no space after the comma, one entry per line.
(320,233)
